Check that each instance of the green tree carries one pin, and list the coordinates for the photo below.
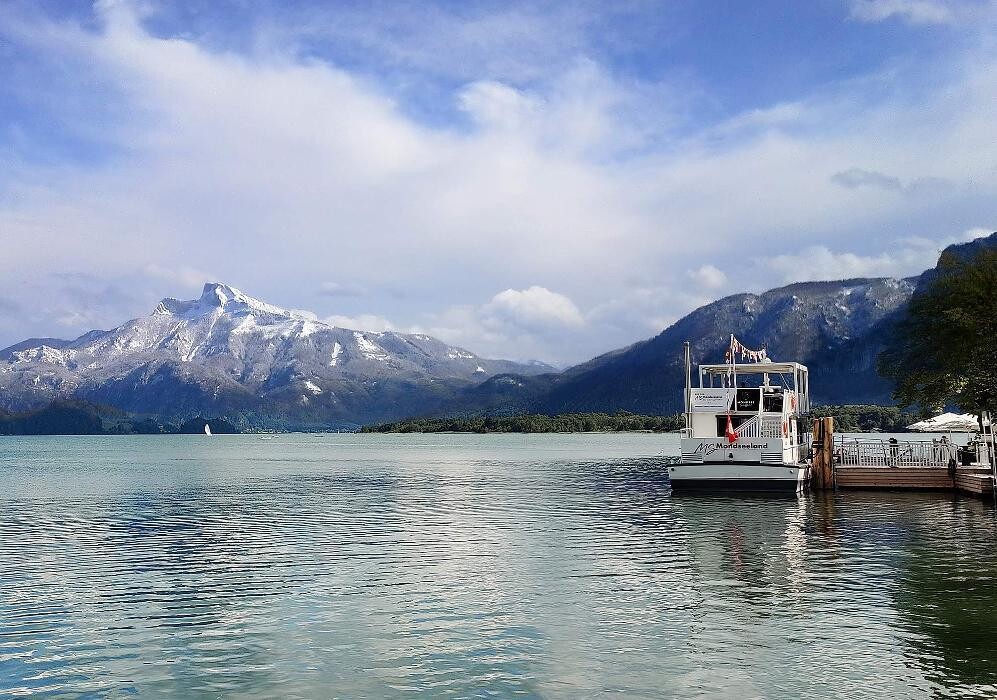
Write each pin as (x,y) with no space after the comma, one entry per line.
(945,350)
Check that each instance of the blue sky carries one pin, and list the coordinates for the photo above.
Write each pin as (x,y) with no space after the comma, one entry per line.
(546,180)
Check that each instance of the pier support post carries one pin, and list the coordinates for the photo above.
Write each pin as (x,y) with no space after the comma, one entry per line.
(822,466)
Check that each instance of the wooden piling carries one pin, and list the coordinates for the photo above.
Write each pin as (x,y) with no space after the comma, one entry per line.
(822,466)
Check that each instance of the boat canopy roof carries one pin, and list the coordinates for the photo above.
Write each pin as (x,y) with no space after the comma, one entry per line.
(755,368)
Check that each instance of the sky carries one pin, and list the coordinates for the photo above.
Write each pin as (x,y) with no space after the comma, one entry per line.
(530,180)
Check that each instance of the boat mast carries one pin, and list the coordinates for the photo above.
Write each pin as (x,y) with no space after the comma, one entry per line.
(688,386)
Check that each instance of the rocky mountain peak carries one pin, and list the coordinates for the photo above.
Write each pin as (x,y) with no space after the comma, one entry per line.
(216,294)
(227,353)
(228,299)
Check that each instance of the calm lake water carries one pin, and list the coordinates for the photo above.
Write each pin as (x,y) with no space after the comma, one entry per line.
(472,566)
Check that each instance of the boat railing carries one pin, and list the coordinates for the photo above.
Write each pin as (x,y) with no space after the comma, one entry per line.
(856,452)
(749,428)
(761,427)
(772,427)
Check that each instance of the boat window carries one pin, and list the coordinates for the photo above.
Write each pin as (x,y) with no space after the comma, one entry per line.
(772,403)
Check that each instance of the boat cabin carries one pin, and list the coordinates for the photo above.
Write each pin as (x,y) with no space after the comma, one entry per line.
(762,400)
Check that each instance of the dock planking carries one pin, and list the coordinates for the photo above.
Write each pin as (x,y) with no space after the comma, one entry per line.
(968,479)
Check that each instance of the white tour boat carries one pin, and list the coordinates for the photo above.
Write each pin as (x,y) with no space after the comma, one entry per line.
(743,425)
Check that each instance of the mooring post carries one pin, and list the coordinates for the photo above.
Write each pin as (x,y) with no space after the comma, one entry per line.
(828,452)
(816,455)
(822,465)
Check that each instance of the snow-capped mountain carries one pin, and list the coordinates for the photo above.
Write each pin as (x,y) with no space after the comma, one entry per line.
(228,353)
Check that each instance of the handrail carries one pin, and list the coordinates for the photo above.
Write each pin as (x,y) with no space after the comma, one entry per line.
(749,428)
(856,452)
(761,427)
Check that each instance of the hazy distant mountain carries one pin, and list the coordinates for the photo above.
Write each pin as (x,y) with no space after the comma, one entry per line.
(836,328)
(229,354)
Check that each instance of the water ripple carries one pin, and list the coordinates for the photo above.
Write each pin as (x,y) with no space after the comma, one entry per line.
(466,566)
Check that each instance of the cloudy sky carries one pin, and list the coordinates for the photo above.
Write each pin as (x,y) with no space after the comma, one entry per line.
(527,179)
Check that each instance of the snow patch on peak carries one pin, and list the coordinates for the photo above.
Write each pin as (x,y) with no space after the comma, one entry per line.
(313,387)
(173,307)
(370,350)
(43,353)
(226,297)
(337,350)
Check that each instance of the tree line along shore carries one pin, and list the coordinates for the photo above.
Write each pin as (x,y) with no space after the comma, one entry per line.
(79,418)
(851,418)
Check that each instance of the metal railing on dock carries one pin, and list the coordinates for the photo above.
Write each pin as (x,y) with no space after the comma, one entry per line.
(858,452)
(846,462)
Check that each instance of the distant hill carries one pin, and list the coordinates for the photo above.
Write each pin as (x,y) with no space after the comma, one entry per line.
(836,328)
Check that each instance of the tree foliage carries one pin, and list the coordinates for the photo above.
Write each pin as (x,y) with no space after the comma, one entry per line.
(945,350)
(859,418)
(70,417)
(58,418)
(533,423)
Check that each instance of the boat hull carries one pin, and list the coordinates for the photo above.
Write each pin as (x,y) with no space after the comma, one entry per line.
(739,476)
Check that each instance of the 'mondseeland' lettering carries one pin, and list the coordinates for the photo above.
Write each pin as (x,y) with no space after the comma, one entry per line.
(708,448)
(733,445)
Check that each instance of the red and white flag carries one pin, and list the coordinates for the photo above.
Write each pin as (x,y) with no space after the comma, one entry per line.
(731,435)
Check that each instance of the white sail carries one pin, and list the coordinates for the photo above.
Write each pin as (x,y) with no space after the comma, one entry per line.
(207,429)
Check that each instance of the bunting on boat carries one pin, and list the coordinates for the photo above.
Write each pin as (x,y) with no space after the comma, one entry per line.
(738,350)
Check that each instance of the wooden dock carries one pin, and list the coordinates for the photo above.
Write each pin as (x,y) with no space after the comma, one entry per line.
(920,465)
(975,480)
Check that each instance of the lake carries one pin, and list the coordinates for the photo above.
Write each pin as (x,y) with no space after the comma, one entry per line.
(560,566)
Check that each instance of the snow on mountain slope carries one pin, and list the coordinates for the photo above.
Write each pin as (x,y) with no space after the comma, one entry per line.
(228,351)
(836,328)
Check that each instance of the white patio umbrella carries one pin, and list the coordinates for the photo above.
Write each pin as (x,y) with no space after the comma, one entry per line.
(947,423)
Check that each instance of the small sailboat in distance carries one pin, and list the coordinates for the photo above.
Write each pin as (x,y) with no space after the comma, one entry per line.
(207,429)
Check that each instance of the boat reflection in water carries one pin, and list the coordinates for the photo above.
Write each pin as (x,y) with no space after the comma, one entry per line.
(879,594)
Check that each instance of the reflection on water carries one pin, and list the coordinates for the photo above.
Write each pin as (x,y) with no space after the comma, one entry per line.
(555,566)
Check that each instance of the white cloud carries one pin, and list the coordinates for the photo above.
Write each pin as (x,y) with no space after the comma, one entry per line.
(915,11)
(908,256)
(182,278)
(857,177)
(362,322)
(278,173)
(520,324)
(708,276)
(924,12)
(534,307)
(341,289)
(755,120)
(496,105)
